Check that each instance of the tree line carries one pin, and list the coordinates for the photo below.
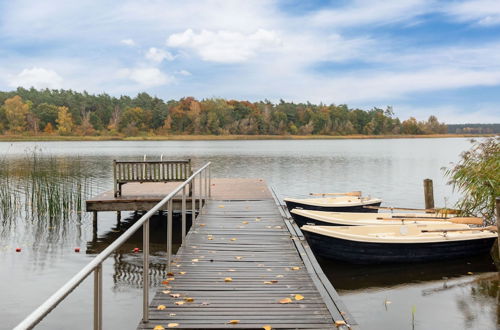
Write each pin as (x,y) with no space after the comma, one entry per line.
(67,112)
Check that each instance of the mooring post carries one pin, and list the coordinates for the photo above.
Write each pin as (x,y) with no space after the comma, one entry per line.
(118,217)
(428,194)
(498,222)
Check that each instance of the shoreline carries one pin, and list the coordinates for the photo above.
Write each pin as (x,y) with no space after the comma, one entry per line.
(27,138)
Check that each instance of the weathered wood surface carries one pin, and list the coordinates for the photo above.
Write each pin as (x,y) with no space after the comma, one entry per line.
(143,196)
(239,260)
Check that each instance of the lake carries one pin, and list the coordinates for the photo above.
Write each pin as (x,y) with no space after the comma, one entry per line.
(459,294)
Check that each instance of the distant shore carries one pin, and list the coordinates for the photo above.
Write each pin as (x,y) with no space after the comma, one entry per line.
(13,138)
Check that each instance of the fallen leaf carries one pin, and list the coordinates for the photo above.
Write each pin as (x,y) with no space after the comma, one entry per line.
(295,268)
(269,227)
(172,314)
(164,282)
(221,206)
(170,274)
(268,282)
(470,273)
(269,269)
(277,227)
(267,327)
(202,225)
(161,307)
(234,322)
(228,279)
(194,260)
(179,303)
(205,303)
(182,273)
(257,219)
(166,291)
(188,299)
(175,295)
(339,323)
(233,239)
(171,279)
(273,281)
(280,276)
(285,301)
(238,258)
(158,327)
(299,297)
(245,222)
(173,325)
(231,270)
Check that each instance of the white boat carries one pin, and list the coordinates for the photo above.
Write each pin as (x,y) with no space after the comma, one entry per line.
(334,204)
(399,243)
(321,218)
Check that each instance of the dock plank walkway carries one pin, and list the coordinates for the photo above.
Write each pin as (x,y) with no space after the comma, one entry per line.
(239,261)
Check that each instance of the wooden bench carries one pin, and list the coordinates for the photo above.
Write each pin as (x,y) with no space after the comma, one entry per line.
(150,171)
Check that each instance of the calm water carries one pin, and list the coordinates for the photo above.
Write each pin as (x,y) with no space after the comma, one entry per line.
(447,295)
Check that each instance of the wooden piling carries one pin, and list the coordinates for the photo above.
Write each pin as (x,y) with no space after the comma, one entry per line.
(428,194)
(498,222)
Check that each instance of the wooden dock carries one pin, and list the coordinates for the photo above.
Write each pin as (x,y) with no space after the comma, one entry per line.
(246,265)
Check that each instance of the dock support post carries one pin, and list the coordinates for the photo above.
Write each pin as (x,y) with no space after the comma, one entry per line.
(118,217)
(183,214)
(428,194)
(94,221)
(210,181)
(145,272)
(498,222)
(98,297)
(169,235)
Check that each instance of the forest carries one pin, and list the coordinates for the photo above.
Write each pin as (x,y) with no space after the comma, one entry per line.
(33,112)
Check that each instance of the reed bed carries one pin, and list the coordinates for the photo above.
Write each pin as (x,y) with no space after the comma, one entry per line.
(42,188)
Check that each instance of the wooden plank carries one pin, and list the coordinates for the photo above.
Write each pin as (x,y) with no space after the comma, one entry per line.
(250,243)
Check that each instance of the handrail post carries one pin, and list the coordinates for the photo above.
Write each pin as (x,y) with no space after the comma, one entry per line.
(98,297)
(206,186)
(114,179)
(209,181)
(145,272)
(201,191)
(193,202)
(169,234)
(183,214)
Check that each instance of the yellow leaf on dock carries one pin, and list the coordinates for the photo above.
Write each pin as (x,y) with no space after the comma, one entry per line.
(233,239)
(161,307)
(245,222)
(221,206)
(179,303)
(295,268)
(158,327)
(267,327)
(234,321)
(175,295)
(189,299)
(173,325)
(228,279)
(299,297)
(238,258)
(285,301)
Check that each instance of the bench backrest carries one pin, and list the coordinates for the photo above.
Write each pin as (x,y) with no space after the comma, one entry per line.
(151,171)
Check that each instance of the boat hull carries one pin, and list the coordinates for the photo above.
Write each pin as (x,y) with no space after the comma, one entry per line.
(355,208)
(379,253)
(303,220)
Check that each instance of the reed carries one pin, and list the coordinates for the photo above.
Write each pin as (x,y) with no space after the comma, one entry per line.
(42,187)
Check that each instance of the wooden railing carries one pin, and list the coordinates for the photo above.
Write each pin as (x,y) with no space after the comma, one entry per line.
(149,171)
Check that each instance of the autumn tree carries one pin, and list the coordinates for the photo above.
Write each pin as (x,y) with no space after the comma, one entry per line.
(16,111)
(64,121)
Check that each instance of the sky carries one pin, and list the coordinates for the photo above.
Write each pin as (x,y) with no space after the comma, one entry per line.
(422,57)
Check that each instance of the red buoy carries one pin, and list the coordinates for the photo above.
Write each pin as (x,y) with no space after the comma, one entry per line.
(18,249)
(77,249)
(136,250)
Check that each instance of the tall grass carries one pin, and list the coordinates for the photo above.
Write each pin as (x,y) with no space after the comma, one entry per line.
(43,188)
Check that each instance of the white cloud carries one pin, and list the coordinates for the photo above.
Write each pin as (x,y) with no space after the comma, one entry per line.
(128,42)
(183,73)
(482,12)
(36,77)
(225,46)
(147,77)
(365,12)
(158,55)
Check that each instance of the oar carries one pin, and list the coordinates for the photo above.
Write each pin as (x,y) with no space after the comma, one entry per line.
(464,220)
(489,228)
(350,193)
(444,211)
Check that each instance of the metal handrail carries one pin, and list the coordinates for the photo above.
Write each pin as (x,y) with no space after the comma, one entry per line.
(96,264)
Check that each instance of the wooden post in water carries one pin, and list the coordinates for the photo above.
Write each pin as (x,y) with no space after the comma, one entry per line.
(498,222)
(428,194)
(94,220)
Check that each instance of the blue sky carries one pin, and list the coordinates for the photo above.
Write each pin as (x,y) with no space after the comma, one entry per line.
(422,57)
